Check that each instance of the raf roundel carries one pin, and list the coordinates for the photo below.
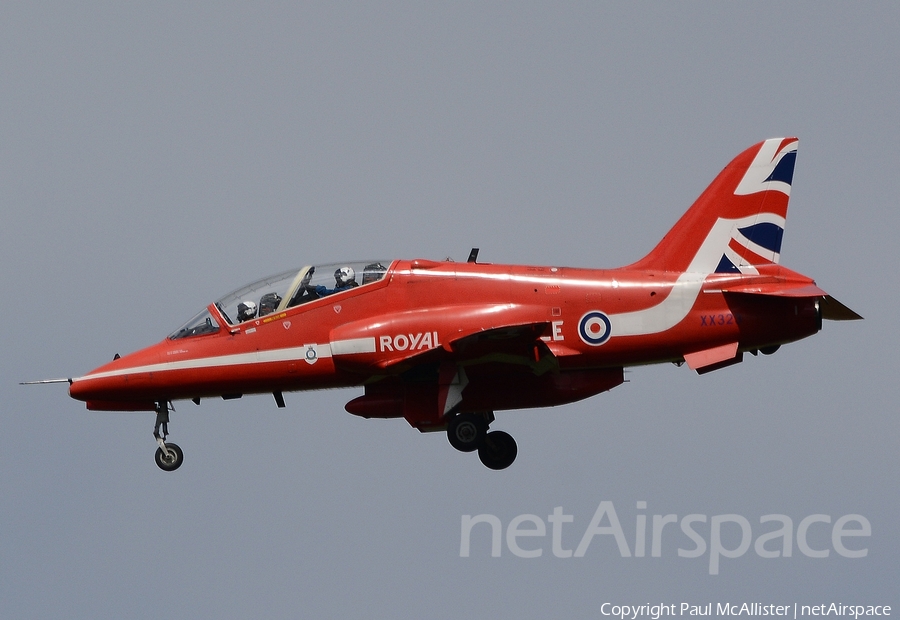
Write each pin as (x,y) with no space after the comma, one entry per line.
(594,328)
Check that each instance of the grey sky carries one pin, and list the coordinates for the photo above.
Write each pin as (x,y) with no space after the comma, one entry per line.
(154,157)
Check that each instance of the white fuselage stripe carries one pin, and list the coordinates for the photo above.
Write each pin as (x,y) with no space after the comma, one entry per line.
(353,345)
(289,354)
(676,306)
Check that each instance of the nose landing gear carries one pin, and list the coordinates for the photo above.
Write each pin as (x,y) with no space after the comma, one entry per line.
(468,432)
(169,456)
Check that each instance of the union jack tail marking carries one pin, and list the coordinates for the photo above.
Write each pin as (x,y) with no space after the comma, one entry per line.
(737,223)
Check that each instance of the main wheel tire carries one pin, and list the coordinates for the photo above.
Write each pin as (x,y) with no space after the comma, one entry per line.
(498,451)
(466,431)
(173,461)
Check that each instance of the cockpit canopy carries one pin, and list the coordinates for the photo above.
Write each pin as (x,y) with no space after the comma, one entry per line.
(282,291)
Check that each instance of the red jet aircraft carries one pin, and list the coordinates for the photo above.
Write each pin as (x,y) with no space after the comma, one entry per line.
(445,345)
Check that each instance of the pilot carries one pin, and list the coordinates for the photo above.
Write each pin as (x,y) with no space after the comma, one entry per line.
(268,303)
(344,278)
(373,272)
(246,310)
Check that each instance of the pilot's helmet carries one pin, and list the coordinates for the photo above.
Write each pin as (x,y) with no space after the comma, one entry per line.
(344,276)
(373,272)
(246,310)
(268,303)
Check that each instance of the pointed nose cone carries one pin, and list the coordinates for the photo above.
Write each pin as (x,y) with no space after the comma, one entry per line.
(124,384)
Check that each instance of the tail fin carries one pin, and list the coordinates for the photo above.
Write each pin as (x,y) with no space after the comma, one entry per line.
(737,223)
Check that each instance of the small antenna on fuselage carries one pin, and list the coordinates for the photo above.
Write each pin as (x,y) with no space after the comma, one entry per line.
(473,255)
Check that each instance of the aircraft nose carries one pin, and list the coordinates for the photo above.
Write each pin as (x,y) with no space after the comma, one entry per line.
(83,389)
(94,388)
(126,379)
(105,393)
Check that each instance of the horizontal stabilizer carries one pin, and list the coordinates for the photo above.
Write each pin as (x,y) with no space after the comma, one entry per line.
(833,310)
(775,289)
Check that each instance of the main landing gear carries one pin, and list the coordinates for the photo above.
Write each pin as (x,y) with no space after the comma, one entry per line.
(169,456)
(468,432)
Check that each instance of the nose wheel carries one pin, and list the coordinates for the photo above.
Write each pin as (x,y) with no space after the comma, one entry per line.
(169,456)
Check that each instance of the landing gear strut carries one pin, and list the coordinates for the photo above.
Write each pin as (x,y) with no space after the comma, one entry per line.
(468,432)
(169,456)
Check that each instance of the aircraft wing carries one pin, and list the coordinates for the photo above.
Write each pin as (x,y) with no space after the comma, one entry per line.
(519,345)
(508,366)
(520,338)
(503,341)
